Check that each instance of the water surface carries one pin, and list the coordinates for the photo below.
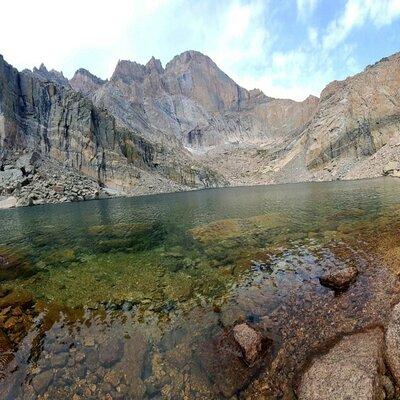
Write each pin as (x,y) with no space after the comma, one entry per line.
(136,297)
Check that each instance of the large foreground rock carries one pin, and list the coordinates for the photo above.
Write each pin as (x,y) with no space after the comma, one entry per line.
(352,369)
(392,343)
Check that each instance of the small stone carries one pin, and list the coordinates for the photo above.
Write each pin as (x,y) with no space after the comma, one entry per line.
(127,306)
(88,341)
(80,371)
(112,378)
(340,279)
(106,387)
(110,352)
(249,340)
(79,357)
(123,389)
(92,387)
(41,381)
(10,323)
(59,360)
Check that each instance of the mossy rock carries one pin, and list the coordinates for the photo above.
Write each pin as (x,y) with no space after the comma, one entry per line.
(228,229)
(13,264)
(16,298)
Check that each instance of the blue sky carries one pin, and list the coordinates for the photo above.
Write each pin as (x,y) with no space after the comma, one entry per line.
(287,48)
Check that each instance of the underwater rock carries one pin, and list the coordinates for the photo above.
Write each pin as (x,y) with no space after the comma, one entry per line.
(17,298)
(133,363)
(13,264)
(42,381)
(8,260)
(352,369)
(112,378)
(340,279)
(59,360)
(249,341)
(6,355)
(260,266)
(227,229)
(110,351)
(232,357)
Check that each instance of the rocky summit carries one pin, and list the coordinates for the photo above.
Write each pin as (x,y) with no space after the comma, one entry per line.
(151,129)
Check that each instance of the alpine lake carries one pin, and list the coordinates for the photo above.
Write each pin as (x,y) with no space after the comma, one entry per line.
(136,298)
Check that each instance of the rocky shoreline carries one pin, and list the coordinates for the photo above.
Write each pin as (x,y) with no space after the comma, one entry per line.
(29,179)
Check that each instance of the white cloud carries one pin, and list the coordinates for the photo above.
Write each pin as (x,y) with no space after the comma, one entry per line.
(294,74)
(305,7)
(239,35)
(47,32)
(312,36)
(356,13)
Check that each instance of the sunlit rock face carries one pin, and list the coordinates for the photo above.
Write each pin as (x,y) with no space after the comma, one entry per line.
(350,132)
(39,111)
(197,103)
(358,116)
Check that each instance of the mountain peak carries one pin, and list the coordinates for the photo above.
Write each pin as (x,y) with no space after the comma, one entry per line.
(154,64)
(85,73)
(129,71)
(187,57)
(50,75)
(42,67)
(85,82)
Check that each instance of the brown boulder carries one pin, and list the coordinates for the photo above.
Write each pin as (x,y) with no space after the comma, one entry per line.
(249,340)
(392,343)
(8,260)
(339,279)
(16,298)
(352,369)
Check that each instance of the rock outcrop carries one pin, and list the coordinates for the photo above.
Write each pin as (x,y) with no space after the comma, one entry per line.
(357,116)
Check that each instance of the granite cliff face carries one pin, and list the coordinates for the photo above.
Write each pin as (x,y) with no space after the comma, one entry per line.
(351,132)
(193,102)
(357,117)
(150,128)
(39,111)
